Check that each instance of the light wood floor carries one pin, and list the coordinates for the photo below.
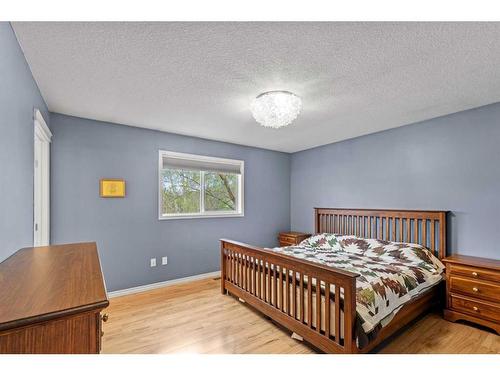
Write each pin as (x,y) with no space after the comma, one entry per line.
(195,318)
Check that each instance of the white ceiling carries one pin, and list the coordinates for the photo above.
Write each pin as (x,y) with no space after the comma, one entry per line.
(199,78)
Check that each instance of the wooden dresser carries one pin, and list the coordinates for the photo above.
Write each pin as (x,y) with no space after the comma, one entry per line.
(51,300)
(473,290)
(291,238)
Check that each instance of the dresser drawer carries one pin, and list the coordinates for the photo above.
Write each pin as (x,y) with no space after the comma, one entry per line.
(476,288)
(475,308)
(475,273)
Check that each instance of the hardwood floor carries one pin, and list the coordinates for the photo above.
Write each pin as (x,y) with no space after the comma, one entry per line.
(195,318)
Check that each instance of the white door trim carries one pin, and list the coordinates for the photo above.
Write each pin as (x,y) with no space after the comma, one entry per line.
(41,181)
(42,127)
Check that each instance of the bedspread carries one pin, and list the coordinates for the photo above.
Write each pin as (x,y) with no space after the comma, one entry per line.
(390,273)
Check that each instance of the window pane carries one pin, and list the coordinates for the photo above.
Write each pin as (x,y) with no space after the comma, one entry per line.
(221,191)
(180,191)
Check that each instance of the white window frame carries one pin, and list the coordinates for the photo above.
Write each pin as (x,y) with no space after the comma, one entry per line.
(203,214)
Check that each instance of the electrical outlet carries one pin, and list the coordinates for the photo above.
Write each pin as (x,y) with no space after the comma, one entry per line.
(164,260)
(153,262)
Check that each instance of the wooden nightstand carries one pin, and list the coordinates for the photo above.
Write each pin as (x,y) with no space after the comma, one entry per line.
(473,290)
(292,238)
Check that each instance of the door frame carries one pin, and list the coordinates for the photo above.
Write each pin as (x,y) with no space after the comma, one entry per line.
(41,181)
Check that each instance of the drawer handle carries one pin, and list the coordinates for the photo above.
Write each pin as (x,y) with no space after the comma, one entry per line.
(474,274)
(102,333)
(475,290)
(475,308)
(105,318)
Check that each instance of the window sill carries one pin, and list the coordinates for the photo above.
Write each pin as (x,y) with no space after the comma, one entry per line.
(207,216)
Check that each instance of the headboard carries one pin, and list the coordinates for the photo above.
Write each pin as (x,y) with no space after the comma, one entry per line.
(427,228)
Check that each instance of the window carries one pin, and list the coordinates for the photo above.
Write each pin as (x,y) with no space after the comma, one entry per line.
(199,186)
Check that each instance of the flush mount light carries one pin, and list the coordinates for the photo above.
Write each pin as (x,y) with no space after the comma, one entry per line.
(275,109)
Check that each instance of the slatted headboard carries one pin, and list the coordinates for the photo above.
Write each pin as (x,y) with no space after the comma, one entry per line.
(427,228)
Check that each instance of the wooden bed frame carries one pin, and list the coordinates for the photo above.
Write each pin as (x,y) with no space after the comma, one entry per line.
(263,278)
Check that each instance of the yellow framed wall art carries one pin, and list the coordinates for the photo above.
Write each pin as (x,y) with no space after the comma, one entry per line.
(112,188)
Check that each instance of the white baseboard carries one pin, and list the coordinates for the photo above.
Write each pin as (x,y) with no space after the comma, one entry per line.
(143,288)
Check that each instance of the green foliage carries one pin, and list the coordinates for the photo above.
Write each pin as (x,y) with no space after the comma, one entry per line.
(181,191)
(220,191)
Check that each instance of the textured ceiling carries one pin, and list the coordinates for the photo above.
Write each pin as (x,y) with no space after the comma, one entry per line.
(199,78)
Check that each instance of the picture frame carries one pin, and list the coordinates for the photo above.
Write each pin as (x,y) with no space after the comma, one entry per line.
(112,188)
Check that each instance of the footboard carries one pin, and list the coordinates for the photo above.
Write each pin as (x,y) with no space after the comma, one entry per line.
(312,300)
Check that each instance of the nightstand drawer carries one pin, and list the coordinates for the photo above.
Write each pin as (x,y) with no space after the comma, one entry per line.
(474,272)
(287,239)
(291,238)
(476,308)
(475,288)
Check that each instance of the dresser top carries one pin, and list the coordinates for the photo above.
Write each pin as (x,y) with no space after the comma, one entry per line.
(473,261)
(40,283)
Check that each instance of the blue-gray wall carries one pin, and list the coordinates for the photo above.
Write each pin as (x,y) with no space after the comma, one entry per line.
(448,163)
(127,231)
(19,95)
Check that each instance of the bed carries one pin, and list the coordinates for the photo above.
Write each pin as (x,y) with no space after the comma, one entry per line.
(298,291)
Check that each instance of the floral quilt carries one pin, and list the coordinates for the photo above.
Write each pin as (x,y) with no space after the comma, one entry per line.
(390,273)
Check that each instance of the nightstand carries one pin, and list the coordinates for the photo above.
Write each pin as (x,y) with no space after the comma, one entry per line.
(292,238)
(473,290)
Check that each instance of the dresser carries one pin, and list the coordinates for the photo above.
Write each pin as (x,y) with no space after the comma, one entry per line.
(291,238)
(473,290)
(51,299)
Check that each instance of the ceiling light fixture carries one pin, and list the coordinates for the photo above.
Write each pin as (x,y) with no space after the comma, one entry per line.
(275,109)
